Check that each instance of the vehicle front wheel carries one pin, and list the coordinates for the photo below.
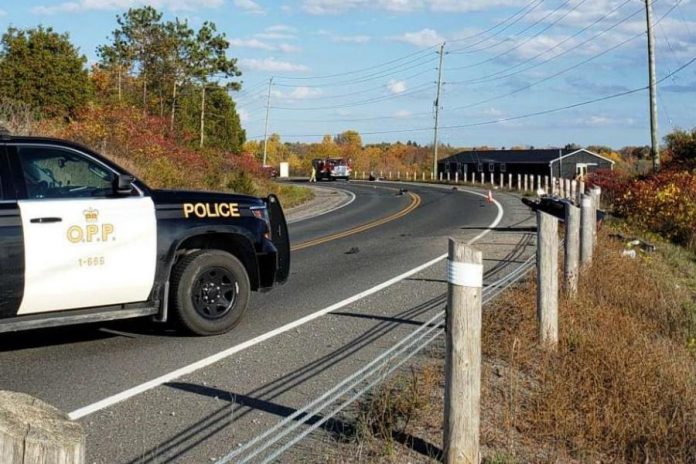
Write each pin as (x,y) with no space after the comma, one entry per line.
(210,292)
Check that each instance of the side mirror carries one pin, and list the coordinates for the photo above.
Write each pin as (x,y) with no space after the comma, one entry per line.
(123,184)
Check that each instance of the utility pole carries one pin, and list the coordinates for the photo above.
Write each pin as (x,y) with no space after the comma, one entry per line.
(437,109)
(655,146)
(265,130)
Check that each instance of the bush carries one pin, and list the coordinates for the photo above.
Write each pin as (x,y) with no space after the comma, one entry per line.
(664,203)
(627,397)
(614,184)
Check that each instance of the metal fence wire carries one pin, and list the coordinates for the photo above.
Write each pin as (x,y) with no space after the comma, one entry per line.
(269,445)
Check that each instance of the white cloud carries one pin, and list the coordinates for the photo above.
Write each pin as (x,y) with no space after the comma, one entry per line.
(288,48)
(100,5)
(423,38)
(329,7)
(3,13)
(271,65)
(396,87)
(298,93)
(281,28)
(260,45)
(355,39)
(333,7)
(494,112)
(243,115)
(402,114)
(602,121)
(251,43)
(277,32)
(250,6)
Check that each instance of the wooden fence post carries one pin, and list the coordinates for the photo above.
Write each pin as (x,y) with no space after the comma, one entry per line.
(581,191)
(456,177)
(547,278)
(32,431)
(572,248)
(463,354)
(587,212)
(502,181)
(519,182)
(510,181)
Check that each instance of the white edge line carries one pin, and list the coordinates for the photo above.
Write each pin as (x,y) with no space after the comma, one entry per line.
(352,199)
(205,362)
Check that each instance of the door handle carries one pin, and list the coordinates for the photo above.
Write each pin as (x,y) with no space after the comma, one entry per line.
(45,220)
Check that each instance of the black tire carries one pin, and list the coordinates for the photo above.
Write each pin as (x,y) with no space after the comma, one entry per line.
(210,292)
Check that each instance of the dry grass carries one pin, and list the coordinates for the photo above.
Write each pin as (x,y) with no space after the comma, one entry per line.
(622,385)
(620,388)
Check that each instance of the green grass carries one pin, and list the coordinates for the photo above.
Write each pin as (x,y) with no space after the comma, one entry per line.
(291,195)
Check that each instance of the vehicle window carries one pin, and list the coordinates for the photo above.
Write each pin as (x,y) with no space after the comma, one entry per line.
(52,172)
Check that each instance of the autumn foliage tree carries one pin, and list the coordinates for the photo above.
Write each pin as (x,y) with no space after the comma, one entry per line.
(43,70)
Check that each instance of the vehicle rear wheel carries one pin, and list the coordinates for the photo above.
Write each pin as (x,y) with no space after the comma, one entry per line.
(210,292)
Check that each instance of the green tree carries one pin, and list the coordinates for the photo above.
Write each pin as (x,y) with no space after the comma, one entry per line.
(180,46)
(117,57)
(209,61)
(223,128)
(140,38)
(44,70)
(681,146)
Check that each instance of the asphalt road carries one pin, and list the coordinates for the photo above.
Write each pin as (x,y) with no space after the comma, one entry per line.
(198,416)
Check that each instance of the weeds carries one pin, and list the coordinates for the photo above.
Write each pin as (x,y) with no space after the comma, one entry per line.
(621,386)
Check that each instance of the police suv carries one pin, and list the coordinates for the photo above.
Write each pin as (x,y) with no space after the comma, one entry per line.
(82,240)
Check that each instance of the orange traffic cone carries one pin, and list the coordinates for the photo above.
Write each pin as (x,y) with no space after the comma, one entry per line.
(489,198)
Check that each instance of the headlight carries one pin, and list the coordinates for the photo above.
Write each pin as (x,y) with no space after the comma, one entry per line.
(261,212)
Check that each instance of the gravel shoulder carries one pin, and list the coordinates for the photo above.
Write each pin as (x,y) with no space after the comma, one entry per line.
(326,200)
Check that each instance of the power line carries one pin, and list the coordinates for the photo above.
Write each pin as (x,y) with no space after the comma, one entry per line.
(492,77)
(495,26)
(537,34)
(358,71)
(522,116)
(415,90)
(533,5)
(547,78)
(565,70)
(370,77)
(519,33)
(357,92)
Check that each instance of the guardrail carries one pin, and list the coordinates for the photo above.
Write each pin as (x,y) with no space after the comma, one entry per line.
(267,446)
(550,185)
(461,421)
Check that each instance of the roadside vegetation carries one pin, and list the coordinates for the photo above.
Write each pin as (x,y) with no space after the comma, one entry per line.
(619,389)
(158,102)
(664,202)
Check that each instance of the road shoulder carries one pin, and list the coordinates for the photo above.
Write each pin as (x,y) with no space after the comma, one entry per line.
(326,200)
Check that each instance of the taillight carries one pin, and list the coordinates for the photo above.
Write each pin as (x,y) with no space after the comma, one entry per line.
(261,212)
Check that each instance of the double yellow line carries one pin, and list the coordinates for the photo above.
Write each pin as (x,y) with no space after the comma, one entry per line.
(415,202)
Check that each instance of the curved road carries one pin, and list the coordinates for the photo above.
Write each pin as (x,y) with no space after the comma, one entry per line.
(198,416)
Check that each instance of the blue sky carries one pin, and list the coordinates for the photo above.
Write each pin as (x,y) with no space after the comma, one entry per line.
(371,65)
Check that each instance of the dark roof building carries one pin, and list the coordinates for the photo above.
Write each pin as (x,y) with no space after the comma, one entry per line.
(556,162)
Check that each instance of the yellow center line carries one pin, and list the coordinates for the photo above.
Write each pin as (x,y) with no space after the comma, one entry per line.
(415,202)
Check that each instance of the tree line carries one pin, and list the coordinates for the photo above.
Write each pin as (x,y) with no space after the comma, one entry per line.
(165,68)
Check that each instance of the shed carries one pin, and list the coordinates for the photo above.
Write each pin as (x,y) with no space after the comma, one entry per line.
(556,162)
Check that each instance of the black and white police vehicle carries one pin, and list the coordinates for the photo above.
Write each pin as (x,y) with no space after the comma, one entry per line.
(82,240)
